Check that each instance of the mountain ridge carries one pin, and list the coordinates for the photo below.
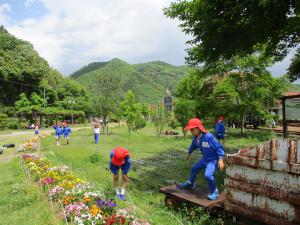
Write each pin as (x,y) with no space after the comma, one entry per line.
(149,81)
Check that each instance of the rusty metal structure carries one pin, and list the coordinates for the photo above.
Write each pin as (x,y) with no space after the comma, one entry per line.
(263,183)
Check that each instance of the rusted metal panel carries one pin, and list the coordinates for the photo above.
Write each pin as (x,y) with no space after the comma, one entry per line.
(263,182)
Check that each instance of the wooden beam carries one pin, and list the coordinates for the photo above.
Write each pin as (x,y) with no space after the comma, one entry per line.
(284,121)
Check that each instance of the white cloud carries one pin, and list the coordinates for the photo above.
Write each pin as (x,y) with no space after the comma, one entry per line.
(75,32)
(28,3)
(4,8)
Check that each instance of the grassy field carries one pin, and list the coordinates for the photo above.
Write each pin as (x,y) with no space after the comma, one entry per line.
(156,161)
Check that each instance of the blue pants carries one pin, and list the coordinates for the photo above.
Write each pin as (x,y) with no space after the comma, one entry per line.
(220,136)
(115,169)
(210,167)
(96,136)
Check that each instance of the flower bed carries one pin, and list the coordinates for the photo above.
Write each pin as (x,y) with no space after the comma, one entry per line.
(82,203)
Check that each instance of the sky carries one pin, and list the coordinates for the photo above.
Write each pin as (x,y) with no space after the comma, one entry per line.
(72,33)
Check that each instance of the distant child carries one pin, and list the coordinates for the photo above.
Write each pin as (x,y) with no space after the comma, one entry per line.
(96,133)
(220,129)
(36,130)
(58,133)
(67,131)
(120,159)
(212,157)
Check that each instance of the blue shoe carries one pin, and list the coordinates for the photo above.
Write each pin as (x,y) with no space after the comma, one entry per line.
(186,186)
(122,197)
(118,196)
(213,196)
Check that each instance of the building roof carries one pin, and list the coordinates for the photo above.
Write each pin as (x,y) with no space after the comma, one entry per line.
(291,93)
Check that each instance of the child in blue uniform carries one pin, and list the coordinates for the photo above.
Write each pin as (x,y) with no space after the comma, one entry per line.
(67,131)
(120,159)
(212,156)
(58,133)
(220,129)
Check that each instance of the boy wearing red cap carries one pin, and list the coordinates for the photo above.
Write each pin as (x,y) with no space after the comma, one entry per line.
(120,159)
(212,156)
(220,129)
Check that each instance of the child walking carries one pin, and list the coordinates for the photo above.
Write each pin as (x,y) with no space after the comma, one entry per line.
(67,131)
(120,159)
(212,156)
(220,129)
(96,133)
(58,133)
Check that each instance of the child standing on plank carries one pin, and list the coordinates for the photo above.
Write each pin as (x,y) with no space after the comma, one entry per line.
(220,129)
(58,133)
(96,133)
(212,156)
(66,131)
(120,159)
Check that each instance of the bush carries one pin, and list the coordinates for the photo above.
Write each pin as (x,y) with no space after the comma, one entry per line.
(3,121)
(140,122)
(94,158)
(13,126)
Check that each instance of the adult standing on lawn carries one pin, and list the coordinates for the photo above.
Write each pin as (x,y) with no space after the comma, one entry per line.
(220,129)
(120,159)
(212,156)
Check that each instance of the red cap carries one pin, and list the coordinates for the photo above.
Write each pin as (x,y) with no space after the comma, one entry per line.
(119,155)
(221,118)
(195,123)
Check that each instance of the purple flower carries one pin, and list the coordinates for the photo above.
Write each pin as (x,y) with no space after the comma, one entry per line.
(104,204)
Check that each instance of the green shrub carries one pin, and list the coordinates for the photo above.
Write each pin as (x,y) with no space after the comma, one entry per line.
(13,126)
(3,121)
(94,158)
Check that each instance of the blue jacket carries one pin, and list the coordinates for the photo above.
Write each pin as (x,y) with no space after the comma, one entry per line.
(58,130)
(67,131)
(210,148)
(220,128)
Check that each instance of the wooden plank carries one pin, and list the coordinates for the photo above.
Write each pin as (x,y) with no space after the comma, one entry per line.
(197,196)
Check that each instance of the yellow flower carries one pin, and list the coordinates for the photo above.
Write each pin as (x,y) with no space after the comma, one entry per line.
(94,210)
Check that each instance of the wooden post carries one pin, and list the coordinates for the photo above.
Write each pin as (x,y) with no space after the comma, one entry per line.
(284,122)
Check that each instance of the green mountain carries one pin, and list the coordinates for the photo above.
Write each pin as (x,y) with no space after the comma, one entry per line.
(148,81)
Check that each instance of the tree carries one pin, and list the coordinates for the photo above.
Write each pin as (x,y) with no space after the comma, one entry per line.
(132,111)
(106,97)
(223,29)
(245,86)
(247,92)
(185,109)
(294,68)
(158,118)
(21,68)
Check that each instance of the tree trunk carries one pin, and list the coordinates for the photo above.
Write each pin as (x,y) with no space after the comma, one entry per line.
(41,120)
(20,121)
(183,131)
(242,121)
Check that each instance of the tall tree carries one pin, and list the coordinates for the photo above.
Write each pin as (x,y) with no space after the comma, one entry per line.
(106,97)
(227,28)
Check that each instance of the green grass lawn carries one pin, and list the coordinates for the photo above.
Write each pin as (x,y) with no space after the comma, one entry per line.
(156,161)
(22,202)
